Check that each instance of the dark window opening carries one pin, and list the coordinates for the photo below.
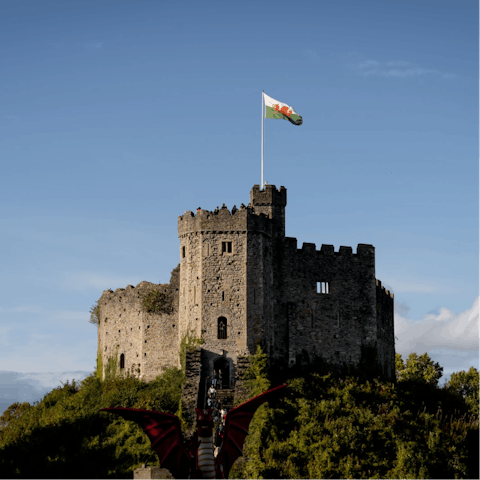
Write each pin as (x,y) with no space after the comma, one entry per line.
(222,328)
(323,287)
(183,252)
(226,247)
(122,360)
(223,296)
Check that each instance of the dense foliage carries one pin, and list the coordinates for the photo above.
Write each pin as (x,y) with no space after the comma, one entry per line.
(65,435)
(326,425)
(353,427)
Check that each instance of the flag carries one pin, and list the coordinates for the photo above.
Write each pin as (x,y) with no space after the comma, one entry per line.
(276,109)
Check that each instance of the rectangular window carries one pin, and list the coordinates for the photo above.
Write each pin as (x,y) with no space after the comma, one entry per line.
(323,287)
(226,247)
(183,252)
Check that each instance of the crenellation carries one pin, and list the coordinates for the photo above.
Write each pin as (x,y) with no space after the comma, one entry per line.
(327,249)
(240,283)
(308,248)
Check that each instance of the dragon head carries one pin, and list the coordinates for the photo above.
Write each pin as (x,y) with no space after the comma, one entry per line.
(204,421)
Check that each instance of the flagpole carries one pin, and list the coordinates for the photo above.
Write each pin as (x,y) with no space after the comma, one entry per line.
(263,114)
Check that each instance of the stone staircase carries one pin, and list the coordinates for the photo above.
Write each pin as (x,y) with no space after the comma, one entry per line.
(225,396)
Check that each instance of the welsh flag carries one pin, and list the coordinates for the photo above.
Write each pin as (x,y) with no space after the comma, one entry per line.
(276,109)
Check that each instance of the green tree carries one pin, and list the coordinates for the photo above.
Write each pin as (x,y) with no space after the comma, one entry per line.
(466,384)
(419,368)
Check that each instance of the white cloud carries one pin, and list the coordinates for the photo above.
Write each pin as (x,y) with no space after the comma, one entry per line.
(81,356)
(31,387)
(411,287)
(445,330)
(396,68)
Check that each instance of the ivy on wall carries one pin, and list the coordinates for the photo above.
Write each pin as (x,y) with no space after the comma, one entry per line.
(158,302)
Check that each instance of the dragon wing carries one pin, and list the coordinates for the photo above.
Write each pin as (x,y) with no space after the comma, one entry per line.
(165,434)
(237,422)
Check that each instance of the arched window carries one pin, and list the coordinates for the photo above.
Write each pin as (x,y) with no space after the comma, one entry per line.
(222,328)
(122,360)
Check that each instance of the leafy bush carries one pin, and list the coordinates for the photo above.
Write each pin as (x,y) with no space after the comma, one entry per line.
(346,427)
(156,301)
(65,436)
(95,314)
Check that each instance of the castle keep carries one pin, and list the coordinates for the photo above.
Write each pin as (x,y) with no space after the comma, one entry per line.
(240,283)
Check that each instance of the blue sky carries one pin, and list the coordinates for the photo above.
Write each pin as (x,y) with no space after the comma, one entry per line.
(117,116)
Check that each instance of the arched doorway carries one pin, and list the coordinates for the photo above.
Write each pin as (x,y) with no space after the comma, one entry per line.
(223,365)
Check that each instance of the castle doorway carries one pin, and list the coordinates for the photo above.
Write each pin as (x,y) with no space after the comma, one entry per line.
(223,365)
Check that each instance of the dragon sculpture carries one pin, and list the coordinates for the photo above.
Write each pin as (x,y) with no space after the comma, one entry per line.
(197,460)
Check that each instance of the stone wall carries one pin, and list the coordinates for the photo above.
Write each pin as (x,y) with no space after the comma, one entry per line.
(151,472)
(240,266)
(149,342)
(241,393)
(385,330)
(191,386)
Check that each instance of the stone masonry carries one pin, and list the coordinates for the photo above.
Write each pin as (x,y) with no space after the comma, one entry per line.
(241,283)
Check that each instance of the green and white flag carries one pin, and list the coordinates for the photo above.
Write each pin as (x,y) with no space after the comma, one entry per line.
(276,109)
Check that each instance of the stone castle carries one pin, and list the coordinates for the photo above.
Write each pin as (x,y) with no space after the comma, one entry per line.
(241,282)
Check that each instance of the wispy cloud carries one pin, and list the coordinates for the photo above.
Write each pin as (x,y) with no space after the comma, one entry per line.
(310,54)
(85,281)
(27,309)
(92,45)
(30,387)
(412,287)
(87,45)
(395,68)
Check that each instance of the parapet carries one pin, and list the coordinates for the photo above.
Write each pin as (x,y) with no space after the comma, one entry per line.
(241,219)
(268,196)
(131,293)
(310,248)
(381,288)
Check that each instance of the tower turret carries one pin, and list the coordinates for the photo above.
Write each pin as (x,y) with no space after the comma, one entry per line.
(271,202)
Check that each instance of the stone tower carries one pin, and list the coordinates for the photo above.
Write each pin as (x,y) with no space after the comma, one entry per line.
(226,274)
(241,282)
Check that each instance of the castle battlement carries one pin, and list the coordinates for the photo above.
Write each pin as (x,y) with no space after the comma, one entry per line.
(363,250)
(382,289)
(224,221)
(131,293)
(241,283)
(268,196)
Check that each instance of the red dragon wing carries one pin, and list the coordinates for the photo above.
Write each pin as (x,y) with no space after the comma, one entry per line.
(237,422)
(165,434)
